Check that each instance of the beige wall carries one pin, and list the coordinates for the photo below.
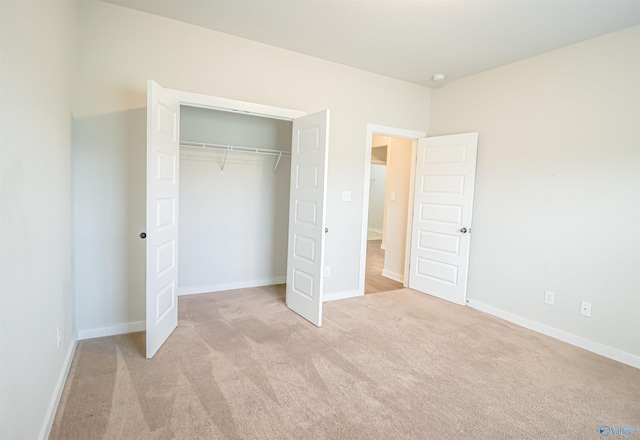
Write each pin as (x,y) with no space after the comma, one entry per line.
(118,50)
(557,202)
(397,206)
(376,197)
(35,227)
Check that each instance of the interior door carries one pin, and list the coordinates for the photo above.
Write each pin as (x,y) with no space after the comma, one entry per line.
(305,259)
(443,202)
(163,149)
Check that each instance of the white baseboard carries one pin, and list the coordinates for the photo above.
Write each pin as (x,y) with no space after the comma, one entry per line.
(578,341)
(45,431)
(112,330)
(340,295)
(193,290)
(394,276)
(376,230)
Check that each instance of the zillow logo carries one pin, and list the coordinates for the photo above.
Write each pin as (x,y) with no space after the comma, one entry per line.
(606,430)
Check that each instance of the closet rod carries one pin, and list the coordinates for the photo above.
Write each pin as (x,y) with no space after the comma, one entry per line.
(235,148)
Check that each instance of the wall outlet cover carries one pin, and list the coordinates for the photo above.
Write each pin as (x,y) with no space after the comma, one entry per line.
(549,297)
(585,309)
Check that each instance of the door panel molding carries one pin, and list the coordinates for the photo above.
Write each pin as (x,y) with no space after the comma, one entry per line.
(443,209)
(307,214)
(163,152)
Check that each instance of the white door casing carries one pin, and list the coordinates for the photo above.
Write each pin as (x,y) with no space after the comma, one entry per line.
(307,207)
(163,114)
(443,202)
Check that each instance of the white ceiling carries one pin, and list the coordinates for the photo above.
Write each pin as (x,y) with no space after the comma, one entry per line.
(407,40)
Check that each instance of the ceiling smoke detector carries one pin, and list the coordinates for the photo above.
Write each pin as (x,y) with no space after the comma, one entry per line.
(439,77)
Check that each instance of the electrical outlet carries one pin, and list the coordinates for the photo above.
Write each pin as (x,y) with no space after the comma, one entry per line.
(585,309)
(346,196)
(327,271)
(548,297)
(59,336)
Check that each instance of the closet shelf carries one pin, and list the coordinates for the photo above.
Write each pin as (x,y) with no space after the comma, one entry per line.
(235,149)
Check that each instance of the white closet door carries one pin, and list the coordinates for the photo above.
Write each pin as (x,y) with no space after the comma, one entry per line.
(163,114)
(443,202)
(305,258)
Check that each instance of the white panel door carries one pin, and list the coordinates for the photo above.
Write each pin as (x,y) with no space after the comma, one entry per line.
(163,114)
(443,202)
(305,258)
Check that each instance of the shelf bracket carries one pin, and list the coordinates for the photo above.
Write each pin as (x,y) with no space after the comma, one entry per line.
(224,161)
(277,162)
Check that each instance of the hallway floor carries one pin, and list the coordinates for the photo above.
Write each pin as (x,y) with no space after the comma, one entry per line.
(374,280)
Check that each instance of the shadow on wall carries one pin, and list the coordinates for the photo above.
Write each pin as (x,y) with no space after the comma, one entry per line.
(109,197)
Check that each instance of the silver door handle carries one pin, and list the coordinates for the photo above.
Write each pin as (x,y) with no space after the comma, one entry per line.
(463,230)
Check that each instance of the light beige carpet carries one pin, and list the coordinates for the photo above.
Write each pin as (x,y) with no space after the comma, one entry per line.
(395,365)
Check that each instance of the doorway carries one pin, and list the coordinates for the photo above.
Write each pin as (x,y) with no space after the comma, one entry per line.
(384,258)
(234,169)
(439,211)
(389,184)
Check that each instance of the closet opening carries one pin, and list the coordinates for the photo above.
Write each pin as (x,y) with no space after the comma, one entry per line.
(234,200)
(223,224)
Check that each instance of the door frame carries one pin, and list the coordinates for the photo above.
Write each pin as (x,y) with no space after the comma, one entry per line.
(232,105)
(384,130)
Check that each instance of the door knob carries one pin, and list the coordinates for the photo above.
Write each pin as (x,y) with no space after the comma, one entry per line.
(143,235)
(463,230)
(326,230)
